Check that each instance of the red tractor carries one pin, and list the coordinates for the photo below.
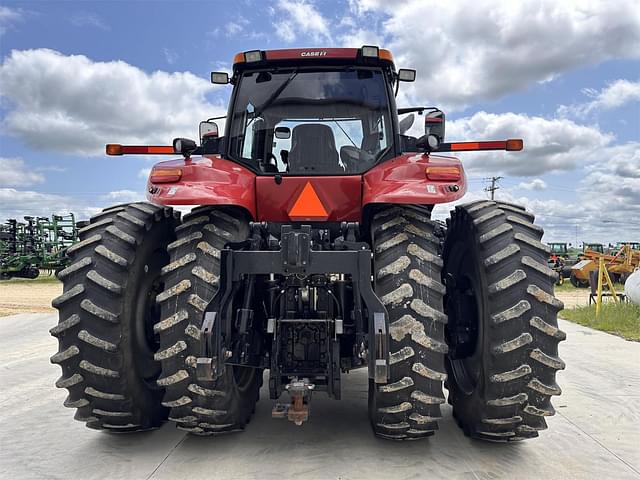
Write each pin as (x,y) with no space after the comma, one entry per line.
(311,252)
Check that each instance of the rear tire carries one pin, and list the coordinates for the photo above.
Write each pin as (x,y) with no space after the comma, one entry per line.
(192,278)
(407,280)
(503,333)
(107,315)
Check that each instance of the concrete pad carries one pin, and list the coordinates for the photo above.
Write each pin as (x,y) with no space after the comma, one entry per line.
(596,433)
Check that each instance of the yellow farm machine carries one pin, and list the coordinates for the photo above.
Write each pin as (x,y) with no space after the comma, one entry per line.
(619,265)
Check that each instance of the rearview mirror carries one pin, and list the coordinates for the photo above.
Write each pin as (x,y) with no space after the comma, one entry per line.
(208,130)
(220,78)
(407,75)
(282,133)
(434,122)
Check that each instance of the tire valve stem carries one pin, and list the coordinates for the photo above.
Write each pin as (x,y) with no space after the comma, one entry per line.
(298,410)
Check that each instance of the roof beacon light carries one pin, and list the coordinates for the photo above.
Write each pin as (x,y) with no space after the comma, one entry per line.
(253,56)
(370,51)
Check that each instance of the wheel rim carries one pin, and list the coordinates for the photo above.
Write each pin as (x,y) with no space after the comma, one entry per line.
(243,377)
(145,341)
(463,305)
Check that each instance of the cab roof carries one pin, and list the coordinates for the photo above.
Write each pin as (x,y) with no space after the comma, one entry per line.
(366,55)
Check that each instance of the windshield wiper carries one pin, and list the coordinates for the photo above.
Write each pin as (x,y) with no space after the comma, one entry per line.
(272,98)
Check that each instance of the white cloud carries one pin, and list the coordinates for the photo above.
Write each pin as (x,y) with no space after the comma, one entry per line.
(466,52)
(604,209)
(18,203)
(285,31)
(9,16)
(535,184)
(233,28)
(300,17)
(123,196)
(15,173)
(88,19)
(614,95)
(98,102)
(171,56)
(549,145)
(361,36)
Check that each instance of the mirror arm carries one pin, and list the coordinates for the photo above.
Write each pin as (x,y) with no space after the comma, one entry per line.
(212,147)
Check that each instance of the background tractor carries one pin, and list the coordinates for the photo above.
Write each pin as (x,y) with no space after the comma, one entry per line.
(310,253)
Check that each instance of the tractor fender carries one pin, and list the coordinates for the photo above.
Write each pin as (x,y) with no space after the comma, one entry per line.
(403,180)
(207,180)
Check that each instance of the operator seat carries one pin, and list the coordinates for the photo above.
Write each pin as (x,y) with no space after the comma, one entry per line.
(313,149)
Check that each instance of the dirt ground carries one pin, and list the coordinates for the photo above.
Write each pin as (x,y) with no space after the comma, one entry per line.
(28,296)
(577,297)
(35,297)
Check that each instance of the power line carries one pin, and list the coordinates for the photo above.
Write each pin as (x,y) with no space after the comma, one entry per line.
(493,187)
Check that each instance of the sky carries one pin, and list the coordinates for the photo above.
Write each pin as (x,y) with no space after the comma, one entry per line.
(564,76)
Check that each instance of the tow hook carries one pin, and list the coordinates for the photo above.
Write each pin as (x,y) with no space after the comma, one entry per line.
(298,410)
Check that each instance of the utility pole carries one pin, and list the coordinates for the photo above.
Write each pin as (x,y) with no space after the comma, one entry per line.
(494,186)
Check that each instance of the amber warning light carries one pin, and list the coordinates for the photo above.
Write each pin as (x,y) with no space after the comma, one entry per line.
(117,149)
(512,145)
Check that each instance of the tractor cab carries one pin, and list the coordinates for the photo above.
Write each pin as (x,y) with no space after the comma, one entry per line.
(312,112)
(559,249)
(594,247)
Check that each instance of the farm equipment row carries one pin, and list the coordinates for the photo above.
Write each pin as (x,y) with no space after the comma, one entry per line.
(619,265)
(620,261)
(38,243)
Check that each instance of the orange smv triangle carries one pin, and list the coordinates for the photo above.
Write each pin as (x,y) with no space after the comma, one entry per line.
(308,205)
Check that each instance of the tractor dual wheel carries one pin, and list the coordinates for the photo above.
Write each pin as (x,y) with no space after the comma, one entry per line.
(191,280)
(407,270)
(502,333)
(107,312)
